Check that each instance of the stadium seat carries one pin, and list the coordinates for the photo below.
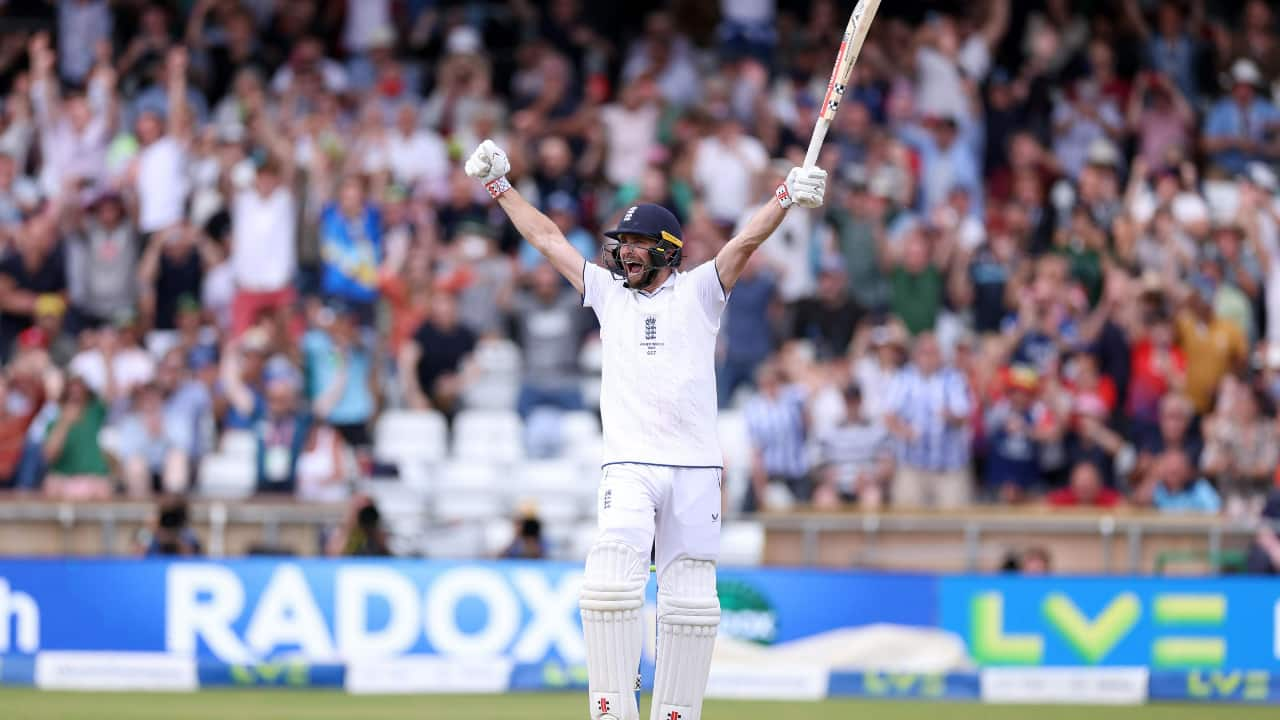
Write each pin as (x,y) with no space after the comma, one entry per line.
(401,435)
(226,477)
(465,475)
(735,444)
(239,443)
(462,505)
(742,543)
(498,534)
(493,435)
(498,386)
(403,507)
(579,427)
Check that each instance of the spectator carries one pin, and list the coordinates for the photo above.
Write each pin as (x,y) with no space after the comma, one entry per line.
(855,459)
(153,453)
(33,267)
(1159,367)
(1264,552)
(112,363)
(529,543)
(1174,487)
(746,338)
(170,534)
(1085,489)
(263,256)
(77,467)
(101,261)
(433,364)
(172,266)
(342,374)
(281,428)
(928,413)
(21,398)
(1214,346)
(1161,118)
(1016,429)
(1241,451)
(361,533)
(548,322)
(881,354)
(631,132)
(828,319)
(776,424)
(724,165)
(917,277)
(351,249)
(1236,127)
(324,467)
(1174,430)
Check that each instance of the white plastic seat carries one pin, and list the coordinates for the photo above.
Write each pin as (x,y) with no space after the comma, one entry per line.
(742,543)
(410,435)
(498,387)
(239,443)
(467,505)
(226,477)
(493,435)
(498,534)
(579,426)
(465,475)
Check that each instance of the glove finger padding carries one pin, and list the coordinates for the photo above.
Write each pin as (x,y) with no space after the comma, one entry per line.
(489,164)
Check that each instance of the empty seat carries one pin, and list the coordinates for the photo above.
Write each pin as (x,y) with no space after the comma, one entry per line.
(467,505)
(410,435)
(494,435)
(226,477)
(498,534)
(498,386)
(579,426)
(742,543)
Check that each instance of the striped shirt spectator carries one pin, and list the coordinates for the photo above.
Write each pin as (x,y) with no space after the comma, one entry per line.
(776,425)
(928,410)
(855,458)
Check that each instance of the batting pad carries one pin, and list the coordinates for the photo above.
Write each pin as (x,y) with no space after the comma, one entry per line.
(611,601)
(688,617)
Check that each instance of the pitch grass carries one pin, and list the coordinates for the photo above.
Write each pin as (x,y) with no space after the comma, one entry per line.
(27,704)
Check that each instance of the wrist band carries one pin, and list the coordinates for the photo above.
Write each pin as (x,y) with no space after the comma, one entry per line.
(497,186)
(784,197)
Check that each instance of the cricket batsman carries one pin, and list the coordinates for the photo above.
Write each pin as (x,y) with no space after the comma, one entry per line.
(662,464)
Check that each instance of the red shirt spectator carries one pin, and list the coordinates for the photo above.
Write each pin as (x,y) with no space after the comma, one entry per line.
(1085,490)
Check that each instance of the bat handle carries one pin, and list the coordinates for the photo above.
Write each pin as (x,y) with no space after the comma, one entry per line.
(815,142)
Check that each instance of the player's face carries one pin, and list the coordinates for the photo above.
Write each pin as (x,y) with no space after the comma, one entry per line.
(634,252)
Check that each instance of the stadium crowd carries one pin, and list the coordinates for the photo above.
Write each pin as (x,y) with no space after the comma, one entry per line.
(1047,272)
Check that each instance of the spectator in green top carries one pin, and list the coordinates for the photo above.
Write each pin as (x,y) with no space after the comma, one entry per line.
(78,468)
(917,280)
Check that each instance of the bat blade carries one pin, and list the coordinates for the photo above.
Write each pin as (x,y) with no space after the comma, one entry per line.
(855,34)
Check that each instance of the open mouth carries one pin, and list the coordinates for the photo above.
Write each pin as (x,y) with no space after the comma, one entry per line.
(633,268)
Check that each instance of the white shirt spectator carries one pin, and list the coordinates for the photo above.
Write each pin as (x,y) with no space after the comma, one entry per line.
(630,136)
(263,240)
(161,184)
(130,367)
(419,159)
(1075,131)
(940,79)
(332,74)
(68,152)
(218,291)
(725,174)
(365,19)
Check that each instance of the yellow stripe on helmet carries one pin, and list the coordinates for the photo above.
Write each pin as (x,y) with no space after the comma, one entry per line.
(672,239)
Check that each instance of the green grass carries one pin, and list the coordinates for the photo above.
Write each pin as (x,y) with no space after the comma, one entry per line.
(26,704)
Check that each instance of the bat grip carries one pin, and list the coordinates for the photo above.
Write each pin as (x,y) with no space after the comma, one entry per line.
(815,142)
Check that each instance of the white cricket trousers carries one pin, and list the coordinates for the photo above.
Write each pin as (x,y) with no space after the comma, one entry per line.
(678,508)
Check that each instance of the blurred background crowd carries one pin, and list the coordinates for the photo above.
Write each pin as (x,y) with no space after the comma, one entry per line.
(1046,270)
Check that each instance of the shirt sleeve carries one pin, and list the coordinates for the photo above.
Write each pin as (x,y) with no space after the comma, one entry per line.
(598,287)
(709,291)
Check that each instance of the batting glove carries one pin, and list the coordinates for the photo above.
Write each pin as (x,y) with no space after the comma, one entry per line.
(805,187)
(489,165)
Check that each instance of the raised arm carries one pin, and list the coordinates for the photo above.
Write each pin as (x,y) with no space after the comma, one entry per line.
(490,165)
(804,187)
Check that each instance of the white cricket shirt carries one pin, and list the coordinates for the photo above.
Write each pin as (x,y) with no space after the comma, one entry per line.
(658,390)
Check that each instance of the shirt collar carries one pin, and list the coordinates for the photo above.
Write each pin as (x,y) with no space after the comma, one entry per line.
(670,281)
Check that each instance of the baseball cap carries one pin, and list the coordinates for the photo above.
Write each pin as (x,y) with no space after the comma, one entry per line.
(649,220)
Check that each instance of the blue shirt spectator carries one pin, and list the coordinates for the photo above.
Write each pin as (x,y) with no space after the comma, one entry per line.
(928,405)
(351,247)
(1238,125)
(1176,489)
(340,376)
